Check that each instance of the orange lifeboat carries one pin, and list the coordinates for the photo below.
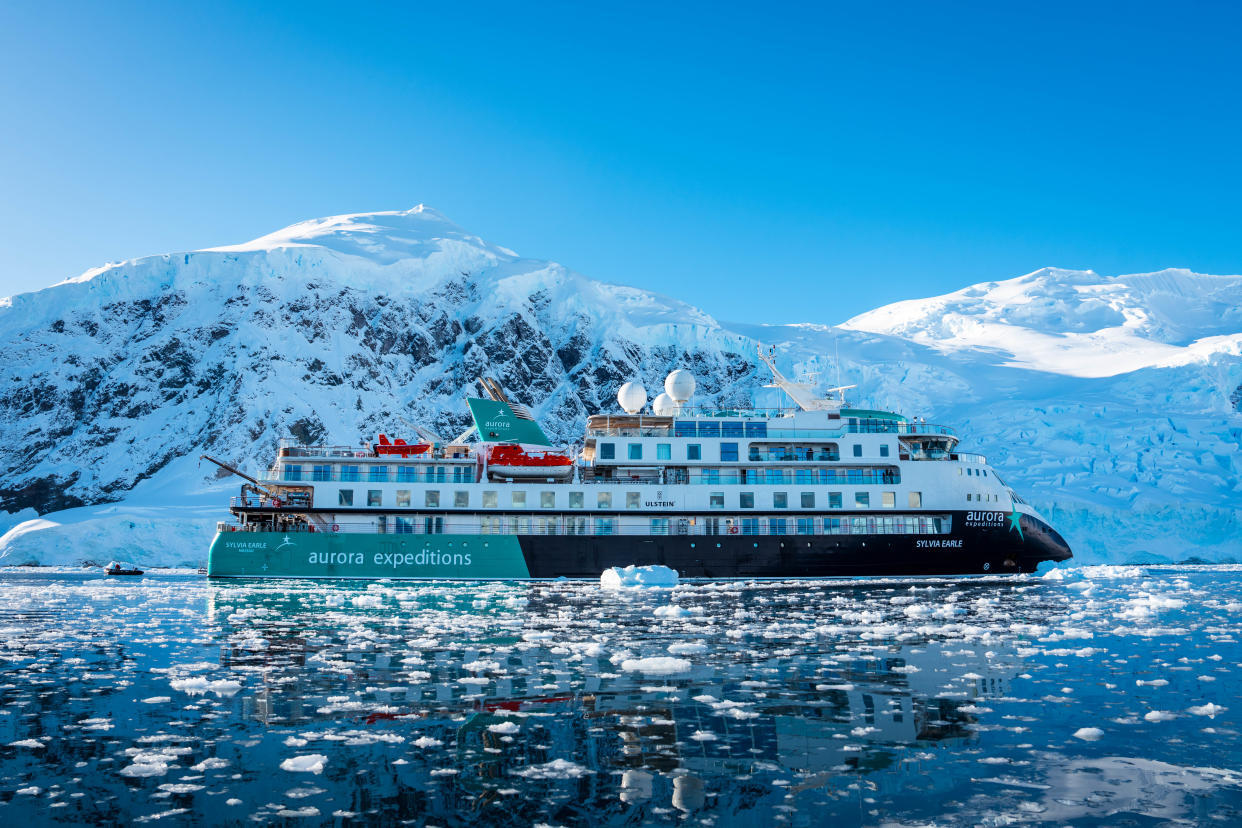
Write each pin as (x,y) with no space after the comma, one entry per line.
(514,461)
(398,448)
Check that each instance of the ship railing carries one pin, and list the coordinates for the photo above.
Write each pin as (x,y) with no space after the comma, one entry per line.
(922,524)
(794,456)
(377,474)
(591,477)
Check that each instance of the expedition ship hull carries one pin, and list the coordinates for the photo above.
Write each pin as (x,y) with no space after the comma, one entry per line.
(966,550)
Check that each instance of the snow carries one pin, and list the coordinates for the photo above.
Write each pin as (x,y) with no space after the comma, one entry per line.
(638,577)
(308,763)
(1108,402)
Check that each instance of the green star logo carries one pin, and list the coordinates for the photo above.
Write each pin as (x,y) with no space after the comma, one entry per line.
(1014,524)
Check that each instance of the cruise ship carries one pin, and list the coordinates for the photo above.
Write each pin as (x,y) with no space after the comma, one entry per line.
(818,489)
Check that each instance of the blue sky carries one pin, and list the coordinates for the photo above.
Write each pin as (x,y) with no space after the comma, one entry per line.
(767,162)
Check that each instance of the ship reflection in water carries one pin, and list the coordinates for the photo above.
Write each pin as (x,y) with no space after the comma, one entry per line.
(890,701)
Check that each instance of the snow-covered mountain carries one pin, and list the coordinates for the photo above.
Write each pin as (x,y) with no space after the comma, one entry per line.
(1111,402)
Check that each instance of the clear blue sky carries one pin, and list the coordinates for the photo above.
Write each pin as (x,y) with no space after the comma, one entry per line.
(767,162)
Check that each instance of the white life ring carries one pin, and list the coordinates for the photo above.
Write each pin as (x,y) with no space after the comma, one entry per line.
(336,527)
(732,530)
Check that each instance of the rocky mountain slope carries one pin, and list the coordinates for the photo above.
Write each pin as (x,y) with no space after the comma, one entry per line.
(1113,403)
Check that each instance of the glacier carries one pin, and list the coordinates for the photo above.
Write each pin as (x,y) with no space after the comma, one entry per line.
(1110,403)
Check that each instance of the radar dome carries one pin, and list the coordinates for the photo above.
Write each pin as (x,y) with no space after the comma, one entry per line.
(632,397)
(664,406)
(679,386)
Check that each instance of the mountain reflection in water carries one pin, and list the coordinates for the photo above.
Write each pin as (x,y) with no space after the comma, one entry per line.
(897,700)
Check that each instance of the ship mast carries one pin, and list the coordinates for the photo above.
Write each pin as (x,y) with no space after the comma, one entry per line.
(801,392)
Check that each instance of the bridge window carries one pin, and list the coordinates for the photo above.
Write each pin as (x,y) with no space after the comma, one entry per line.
(709,429)
(756,429)
(684,428)
(731,428)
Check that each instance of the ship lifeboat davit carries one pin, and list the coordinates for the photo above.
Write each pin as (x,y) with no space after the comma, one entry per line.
(399,447)
(515,461)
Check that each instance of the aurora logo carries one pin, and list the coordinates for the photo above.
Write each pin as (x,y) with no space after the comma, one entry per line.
(286,544)
(497,424)
(1014,523)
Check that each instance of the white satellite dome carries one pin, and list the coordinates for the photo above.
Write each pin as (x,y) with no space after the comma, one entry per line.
(664,406)
(679,385)
(632,397)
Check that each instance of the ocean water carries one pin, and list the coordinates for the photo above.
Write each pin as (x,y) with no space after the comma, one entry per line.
(1104,696)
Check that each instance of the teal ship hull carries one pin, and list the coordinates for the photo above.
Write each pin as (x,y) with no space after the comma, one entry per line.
(327,555)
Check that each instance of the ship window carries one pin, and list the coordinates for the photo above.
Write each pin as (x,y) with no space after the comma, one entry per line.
(857,450)
(517,499)
(716,500)
(884,451)
(490,500)
(575,526)
(862,500)
(461,500)
(378,474)
(888,500)
(462,474)
(808,500)
(375,497)
(916,500)
(603,500)
(405,526)
(407,474)
(728,452)
(403,497)
(659,526)
(321,473)
(664,451)
(756,429)
(709,429)
(968,497)
(636,451)
(834,500)
(746,500)
(985,472)
(776,526)
(607,451)
(711,475)
(547,500)
(431,499)
(575,500)
(750,526)
(433,525)
(349,472)
(780,500)
(605,526)
(684,428)
(806,526)
(631,500)
(345,497)
(293,472)
(731,428)
(694,451)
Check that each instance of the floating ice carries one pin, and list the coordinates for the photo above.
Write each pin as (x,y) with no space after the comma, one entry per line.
(1088,734)
(656,665)
(1210,710)
(1159,716)
(556,769)
(638,577)
(508,728)
(309,763)
(198,686)
(27,743)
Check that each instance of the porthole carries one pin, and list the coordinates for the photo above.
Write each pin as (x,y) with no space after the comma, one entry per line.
(756,545)
(717,546)
(692,545)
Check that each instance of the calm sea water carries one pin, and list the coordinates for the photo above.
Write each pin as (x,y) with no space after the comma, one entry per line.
(1109,696)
